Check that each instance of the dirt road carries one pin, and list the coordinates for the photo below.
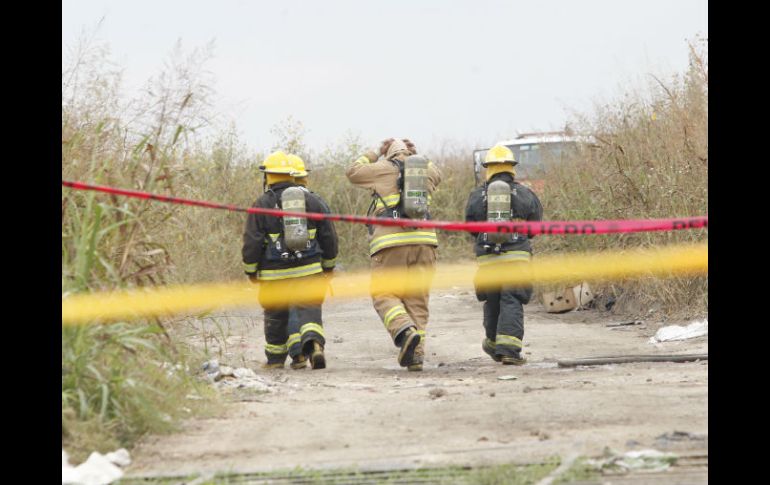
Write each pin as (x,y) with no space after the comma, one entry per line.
(364,411)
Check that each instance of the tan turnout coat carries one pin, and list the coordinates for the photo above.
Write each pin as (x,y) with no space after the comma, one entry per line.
(381,176)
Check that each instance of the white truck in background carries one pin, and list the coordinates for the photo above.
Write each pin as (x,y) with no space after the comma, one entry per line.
(535,152)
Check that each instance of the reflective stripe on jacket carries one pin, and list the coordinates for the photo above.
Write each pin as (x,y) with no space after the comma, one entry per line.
(295,272)
(402,239)
(503,257)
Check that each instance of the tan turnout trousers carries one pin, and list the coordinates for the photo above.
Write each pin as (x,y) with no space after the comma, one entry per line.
(397,310)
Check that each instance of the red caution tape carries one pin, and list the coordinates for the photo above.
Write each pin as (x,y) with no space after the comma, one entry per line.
(529,228)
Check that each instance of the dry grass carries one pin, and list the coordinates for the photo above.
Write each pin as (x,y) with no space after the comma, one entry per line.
(651,162)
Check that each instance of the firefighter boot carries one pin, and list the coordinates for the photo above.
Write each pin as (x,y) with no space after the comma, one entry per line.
(489,347)
(273,365)
(409,341)
(298,362)
(317,359)
(511,360)
(416,364)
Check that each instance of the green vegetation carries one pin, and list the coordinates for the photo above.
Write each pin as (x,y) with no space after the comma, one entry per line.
(508,474)
(120,380)
(580,471)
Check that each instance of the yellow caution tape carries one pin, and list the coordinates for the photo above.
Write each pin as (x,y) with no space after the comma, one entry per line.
(132,304)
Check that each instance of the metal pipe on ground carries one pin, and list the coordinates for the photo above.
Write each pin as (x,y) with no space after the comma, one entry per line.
(627,359)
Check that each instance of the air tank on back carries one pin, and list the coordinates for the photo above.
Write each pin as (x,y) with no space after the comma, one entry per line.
(415,194)
(498,209)
(294,228)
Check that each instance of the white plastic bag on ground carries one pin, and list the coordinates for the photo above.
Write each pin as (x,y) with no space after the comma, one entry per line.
(652,460)
(97,470)
(119,457)
(697,328)
(649,460)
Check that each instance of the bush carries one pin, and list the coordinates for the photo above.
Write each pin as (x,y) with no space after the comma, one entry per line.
(651,161)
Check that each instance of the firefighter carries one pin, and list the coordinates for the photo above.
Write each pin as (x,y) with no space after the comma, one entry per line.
(501,198)
(285,255)
(385,173)
(294,347)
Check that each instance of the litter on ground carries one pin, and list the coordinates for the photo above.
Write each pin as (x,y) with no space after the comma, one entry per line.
(697,328)
(98,469)
(650,460)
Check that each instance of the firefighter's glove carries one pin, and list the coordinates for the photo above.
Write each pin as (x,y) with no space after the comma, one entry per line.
(252,277)
(372,156)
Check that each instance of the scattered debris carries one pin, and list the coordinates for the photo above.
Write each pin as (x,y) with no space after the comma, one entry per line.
(437,393)
(610,303)
(338,340)
(224,371)
(583,295)
(119,457)
(506,378)
(680,436)
(622,324)
(574,298)
(211,366)
(541,365)
(243,372)
(541,435)
(651,460)
(626,359)
(243,378)
(98,469)
(561,302)
(697,328)
(483,438)
(239,377)
(530,389)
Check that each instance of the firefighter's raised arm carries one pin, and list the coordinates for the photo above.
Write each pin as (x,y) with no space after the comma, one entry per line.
(362,172)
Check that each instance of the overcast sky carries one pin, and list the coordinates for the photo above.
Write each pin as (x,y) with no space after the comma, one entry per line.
(468,71)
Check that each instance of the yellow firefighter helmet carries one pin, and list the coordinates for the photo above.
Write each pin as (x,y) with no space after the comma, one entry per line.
(499,154)
(277,162)
(298,165)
